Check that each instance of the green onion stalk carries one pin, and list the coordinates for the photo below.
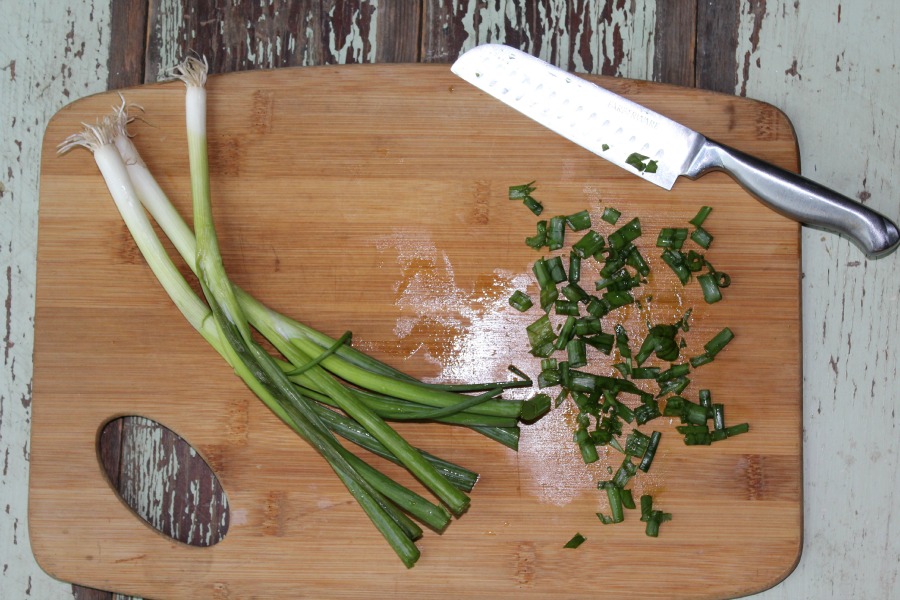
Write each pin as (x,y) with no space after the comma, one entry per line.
(315,372)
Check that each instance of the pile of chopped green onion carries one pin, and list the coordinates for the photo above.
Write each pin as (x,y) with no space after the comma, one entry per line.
(612,408)
(319,386)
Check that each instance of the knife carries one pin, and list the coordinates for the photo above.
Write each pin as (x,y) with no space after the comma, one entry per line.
(657,148)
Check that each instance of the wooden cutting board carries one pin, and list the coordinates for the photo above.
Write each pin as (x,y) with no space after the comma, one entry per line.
(374,199)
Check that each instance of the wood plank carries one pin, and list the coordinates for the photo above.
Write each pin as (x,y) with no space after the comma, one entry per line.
(832,67)
(283,494)
(50,55)
(717,39)
(676,40)
(609,38)
(127,28)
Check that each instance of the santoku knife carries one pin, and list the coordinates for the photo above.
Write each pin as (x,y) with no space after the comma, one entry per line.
(657,148)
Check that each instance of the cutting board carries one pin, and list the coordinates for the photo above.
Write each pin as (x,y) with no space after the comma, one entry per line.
(374,199)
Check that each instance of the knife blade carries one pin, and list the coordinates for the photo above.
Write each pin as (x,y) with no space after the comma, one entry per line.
(657,148)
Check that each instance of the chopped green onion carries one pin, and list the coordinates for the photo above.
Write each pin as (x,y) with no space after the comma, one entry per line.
(556,232)
(576,353)
(625,234)
(566,307)
(718,342)
(533,205)
(737,429)
(565,333)
(591,243)
(579,221)
(702,237)
(711,293)
(610,215)
(520,301)
(519,192)
(697,221)
(540,332)
(650,453)
(539,240)
(574,268)
(576,541)
(557,271)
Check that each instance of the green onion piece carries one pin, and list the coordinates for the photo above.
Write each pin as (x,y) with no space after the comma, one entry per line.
(626,233)
(565,379)
(566,333)
(576,541)
(604,147)
(705,397)
(610,215)
(636,443)
(627,499)
(646,412)
(694,261)
(676,262)
(674,406)
(719,416)
(576,353)
(601,341)
(622,341)
(656,518)
(645,373)
(566,307)
(597,308)
(535,407)
(591,243)
(557,271)
(711,293)
(518,373)
(697,221)
(520,301)
(574,268)
(587,326)
(618,298)
(636,160)
(586,446)
(693,414)
(646,506)
(737,429)
(575,293)
(539,240)
(702,237)
(718,342)
(548,378)
(700,359)
(549,295)
(647,459)
(540,332)
(673,372)
(638,262)
(615,503)
(723,280)
(626,471)
(556,232)
(700,438)
(533,205)
(519,192)
(541,271)
(674,386)
(579,221)
(549,363)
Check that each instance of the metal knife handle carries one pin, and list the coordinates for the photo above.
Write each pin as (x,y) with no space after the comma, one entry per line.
(799,198)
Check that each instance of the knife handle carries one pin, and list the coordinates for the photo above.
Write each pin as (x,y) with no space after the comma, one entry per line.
(799,198)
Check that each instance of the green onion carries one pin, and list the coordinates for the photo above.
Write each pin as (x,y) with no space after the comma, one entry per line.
(519,192)
(556,232)
(579,221)
(533,205)
(711,293)
(702,237)
(718,342)
(520,301)
(700,217)
(576,541)
(539,240)
(556,269)
(574,268)
(650,453)
(610,215)
(591,243)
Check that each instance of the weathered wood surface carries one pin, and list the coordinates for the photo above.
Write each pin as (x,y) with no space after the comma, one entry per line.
(829,64)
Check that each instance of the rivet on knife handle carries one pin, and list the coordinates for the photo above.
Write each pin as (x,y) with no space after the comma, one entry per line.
(606,123)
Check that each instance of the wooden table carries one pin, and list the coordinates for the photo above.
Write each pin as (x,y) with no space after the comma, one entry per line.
(831,68)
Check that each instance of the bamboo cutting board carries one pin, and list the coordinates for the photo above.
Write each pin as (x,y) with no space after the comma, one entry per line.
(373,198)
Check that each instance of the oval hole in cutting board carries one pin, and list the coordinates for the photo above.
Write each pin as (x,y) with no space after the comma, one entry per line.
(164,480)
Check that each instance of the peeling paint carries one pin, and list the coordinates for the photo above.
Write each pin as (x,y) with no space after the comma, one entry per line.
(56,53)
